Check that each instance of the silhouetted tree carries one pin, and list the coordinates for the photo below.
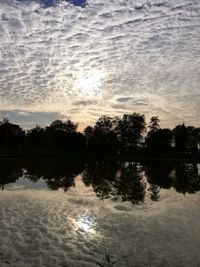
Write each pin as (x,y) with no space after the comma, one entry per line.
(154,124)
(102,138)
(11,135)
(186,139)
(109,136)
(104,125)
(89,135)
(64,136)
(192,140)
(159,141)
(36,137)
(180,138)
(67,127)
(130,130)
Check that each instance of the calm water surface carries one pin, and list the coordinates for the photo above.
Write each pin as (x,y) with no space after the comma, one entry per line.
(67,214)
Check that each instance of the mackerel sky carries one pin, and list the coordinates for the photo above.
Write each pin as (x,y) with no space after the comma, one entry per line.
(83,59)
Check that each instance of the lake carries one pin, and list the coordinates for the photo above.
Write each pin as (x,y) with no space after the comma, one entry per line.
(57,213)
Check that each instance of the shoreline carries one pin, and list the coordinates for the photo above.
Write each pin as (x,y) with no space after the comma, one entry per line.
(80,156)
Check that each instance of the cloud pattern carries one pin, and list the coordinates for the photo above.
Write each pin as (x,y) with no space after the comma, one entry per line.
(74,229)
(146,53)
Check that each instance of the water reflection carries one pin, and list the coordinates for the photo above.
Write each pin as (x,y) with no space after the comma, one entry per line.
(160,173)
(51,3)
(86,223)
(56,174)
(116,180)
(186,179)
(154,192)
(9,173)
(130,181)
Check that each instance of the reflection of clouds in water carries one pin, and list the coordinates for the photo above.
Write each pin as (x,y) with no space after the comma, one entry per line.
(51,3)
(23,184)
(47,228)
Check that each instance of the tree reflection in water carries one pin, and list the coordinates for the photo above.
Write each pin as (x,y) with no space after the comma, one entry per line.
(115,180)
(56,174)
(9,173)
(154,192)
(159,175)
(101,176)
(187,179)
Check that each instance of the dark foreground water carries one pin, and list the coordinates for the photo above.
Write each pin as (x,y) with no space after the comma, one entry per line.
(66,214)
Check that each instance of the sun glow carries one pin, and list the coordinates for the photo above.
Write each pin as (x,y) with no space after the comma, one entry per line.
(90,83)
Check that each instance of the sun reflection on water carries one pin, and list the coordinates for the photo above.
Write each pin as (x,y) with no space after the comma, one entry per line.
(86,223)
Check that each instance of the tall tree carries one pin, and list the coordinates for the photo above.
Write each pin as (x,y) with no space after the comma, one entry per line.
(64,135)
(103,136)
(186,139)
(180,138)
(104,125)
(89,136)
(68,126)
(130,130)
(154,124)
(35,137)
(11,135)
(159,141)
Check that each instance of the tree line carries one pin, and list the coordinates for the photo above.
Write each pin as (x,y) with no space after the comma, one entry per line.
(129,135)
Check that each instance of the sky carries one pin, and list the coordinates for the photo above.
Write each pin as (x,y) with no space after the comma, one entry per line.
(82,59)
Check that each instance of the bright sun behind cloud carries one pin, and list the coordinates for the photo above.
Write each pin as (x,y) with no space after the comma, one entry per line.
(130,56)
(90,84)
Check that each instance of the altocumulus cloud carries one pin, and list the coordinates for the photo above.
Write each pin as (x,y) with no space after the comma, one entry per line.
(140,49)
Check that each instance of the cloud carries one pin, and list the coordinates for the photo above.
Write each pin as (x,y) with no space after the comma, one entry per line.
(124,99)
(147,49)
(133,101)
(84,103)
(28,119)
